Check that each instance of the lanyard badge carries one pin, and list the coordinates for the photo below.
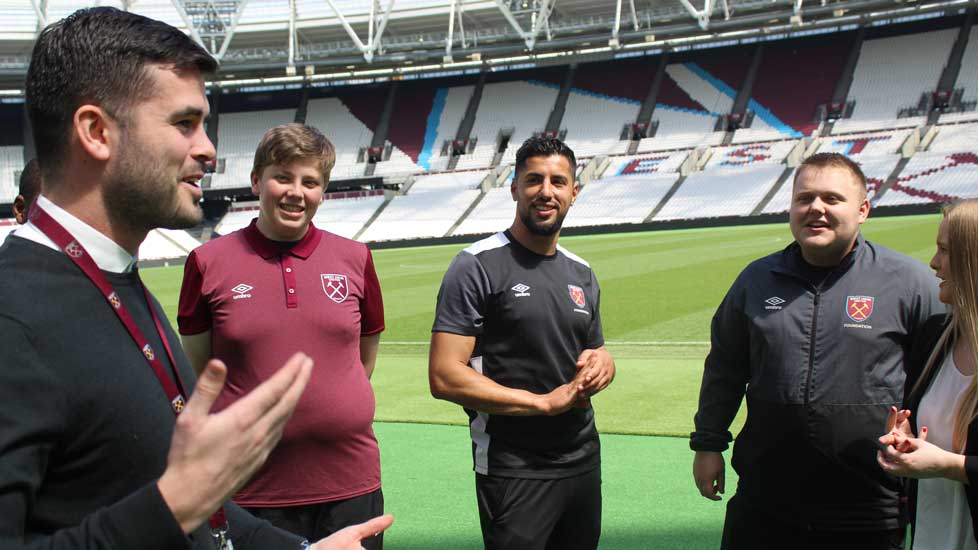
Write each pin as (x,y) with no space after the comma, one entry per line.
(172,385)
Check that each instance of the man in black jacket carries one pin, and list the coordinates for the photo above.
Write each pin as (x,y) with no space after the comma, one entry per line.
(816,336)
(102,446)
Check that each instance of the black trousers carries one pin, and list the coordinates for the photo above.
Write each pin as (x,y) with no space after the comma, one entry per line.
(540,514)
(317,521)
(747,528)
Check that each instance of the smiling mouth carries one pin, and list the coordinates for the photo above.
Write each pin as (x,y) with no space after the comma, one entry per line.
(292,208)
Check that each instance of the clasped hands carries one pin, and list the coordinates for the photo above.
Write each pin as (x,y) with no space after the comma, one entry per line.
(902,454)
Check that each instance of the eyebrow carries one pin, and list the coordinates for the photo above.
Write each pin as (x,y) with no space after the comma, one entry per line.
(188,111)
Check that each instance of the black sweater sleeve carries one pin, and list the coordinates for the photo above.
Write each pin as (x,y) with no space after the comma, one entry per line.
(33,417)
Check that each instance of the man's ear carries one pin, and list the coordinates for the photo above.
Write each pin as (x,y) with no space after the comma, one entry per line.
(95,132)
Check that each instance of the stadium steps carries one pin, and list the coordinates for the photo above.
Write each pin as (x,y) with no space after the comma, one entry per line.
(665,198)
(376,214)
(773,191)
(891,179)
(465,214)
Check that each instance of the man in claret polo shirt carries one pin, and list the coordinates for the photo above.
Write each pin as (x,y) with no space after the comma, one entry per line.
(250,297)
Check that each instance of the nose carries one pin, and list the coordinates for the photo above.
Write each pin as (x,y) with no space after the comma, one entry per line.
(546,188)
(203,150)
(933,262)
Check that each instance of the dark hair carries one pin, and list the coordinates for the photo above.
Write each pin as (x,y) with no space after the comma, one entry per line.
(30,181)
(836,160)
(289,142)
(544,147)
(98,56)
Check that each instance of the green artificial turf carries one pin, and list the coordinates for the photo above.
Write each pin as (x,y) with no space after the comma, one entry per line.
(649,498)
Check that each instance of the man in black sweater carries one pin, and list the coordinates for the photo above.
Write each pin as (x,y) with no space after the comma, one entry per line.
(100,446)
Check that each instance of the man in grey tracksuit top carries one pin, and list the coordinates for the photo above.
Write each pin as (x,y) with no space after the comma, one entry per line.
(816,336)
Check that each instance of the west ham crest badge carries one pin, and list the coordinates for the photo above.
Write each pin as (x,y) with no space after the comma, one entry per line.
(577,295)
(859,308)
(335,286)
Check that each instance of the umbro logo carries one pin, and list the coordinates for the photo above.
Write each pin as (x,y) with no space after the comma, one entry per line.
(242,291)
(774,302)
(521,290)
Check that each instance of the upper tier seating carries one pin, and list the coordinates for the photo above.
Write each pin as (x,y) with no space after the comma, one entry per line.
(521,105)
(347,133)
(893,72)
(968,76)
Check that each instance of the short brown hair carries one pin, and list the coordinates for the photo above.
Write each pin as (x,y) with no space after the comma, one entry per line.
(290,142)
(99,56)
(834,160)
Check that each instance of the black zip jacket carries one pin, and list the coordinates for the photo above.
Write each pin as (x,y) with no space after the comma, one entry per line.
(820,363)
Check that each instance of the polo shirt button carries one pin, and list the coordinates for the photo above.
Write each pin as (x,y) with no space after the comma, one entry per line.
(288,270)
(291,291)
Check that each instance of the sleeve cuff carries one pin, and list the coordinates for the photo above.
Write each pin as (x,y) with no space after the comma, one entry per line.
(143,520)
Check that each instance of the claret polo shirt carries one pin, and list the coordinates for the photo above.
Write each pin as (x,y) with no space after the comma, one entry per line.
(262,302)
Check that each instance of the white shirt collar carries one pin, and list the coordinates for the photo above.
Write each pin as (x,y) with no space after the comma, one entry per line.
(108,255)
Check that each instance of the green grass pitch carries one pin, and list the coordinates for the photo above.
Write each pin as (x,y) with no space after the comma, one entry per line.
(659,291)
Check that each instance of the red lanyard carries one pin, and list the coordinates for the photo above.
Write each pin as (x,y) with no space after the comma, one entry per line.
(173,386)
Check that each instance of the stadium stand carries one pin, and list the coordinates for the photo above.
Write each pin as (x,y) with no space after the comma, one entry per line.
(238,136)
(892,73)
(493,213)
(744,155)
(521,106)
(419,215)
(448,181)
(166,244)
(865,144)
(619,199)
(594,122)
(934,178)
(721,191)
(794,78)
(347,216)
(645,164)
(346,131)
(955,137)
(11,163)
(442,124)
(968,76)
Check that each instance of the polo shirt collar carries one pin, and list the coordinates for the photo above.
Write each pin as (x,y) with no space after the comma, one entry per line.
(267,248)
(108,255)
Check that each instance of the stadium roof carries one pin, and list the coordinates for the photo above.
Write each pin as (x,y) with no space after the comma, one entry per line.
(277,39)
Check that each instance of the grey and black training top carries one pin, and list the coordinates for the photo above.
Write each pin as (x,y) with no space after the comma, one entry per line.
(821,356)
(532,316)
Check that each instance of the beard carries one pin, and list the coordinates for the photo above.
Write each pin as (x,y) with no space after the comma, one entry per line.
(543,230)
(140,194)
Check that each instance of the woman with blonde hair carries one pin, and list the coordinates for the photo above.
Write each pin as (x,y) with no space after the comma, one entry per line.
(942,400)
